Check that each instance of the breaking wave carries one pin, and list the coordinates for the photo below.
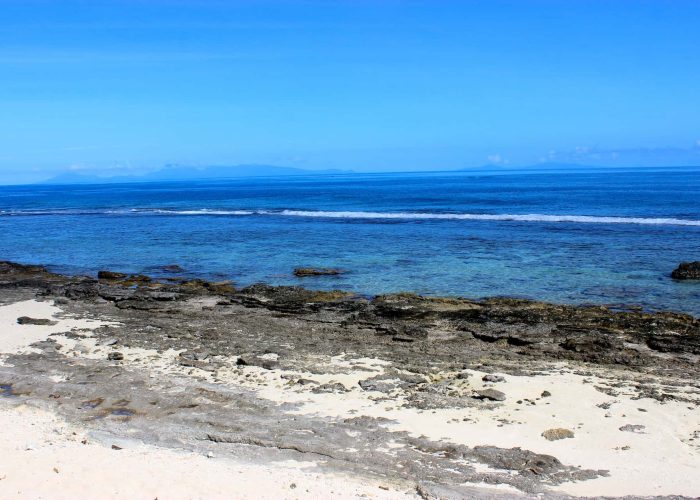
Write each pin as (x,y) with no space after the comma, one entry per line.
(582,219)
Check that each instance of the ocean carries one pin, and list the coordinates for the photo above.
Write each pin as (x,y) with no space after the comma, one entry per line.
(576,237)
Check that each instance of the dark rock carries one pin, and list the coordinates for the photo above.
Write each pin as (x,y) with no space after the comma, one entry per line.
(517,459)
(267,364)
(636,428)
(490,395)
(163,296)
(86,289)
(202,287)
(25,320)
(330,387)
(306,381)
(202,355)
(403,331)
(402,338)
(136,279)
(12,267)
(558,433)
(493,378)
(114,293)
(390,381)
(296,300)
(377,385)
(115,356)
(545,394)
(508,328)
(587,344)
(192,362)
(138,304)
(669,342)
(110,276)
(687,271)
(443,388)
(303,272)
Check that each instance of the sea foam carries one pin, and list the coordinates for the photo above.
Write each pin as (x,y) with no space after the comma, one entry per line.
(580,219)
(588,219)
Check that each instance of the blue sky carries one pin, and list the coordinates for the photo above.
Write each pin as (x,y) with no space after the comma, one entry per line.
(365,85)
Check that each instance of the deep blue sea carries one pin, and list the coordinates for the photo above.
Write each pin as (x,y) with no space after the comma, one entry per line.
(601,237)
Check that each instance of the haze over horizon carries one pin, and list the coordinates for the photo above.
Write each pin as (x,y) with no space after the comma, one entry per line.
(125,87)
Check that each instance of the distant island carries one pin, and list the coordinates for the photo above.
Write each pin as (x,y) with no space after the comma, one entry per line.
(185,173)
(174,173)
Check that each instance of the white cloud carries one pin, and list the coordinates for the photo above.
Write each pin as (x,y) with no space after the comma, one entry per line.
(632,157)
(494,158)
(497,159)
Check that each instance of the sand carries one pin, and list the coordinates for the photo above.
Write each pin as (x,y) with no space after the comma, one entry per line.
(42,456)
(659,455)
(17,338)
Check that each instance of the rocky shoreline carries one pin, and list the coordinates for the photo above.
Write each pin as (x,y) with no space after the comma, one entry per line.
(268,373)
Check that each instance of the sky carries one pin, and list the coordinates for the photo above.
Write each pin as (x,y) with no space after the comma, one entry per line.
(129,86)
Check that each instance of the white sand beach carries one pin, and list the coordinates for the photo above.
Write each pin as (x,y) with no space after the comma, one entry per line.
(648,447)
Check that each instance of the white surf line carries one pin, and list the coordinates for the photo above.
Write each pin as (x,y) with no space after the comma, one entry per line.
(586,219)
(326,214)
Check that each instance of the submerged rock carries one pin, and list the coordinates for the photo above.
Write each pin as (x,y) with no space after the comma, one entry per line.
(172,268)
(110,276)
(302,272)
(7,267)
(136,279)
(687,271)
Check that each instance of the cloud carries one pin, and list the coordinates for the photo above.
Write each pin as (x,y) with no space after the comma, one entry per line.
(497,159)
(639,157)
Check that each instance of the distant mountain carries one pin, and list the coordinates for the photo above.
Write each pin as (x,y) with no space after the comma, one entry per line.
(74,178)
(563,166)
(183,173)
(485,168)
(537,166)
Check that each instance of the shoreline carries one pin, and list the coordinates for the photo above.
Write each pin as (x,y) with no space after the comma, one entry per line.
(160,275)
(429,397)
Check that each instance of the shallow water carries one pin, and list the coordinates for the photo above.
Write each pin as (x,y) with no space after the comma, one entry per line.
(596,237)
